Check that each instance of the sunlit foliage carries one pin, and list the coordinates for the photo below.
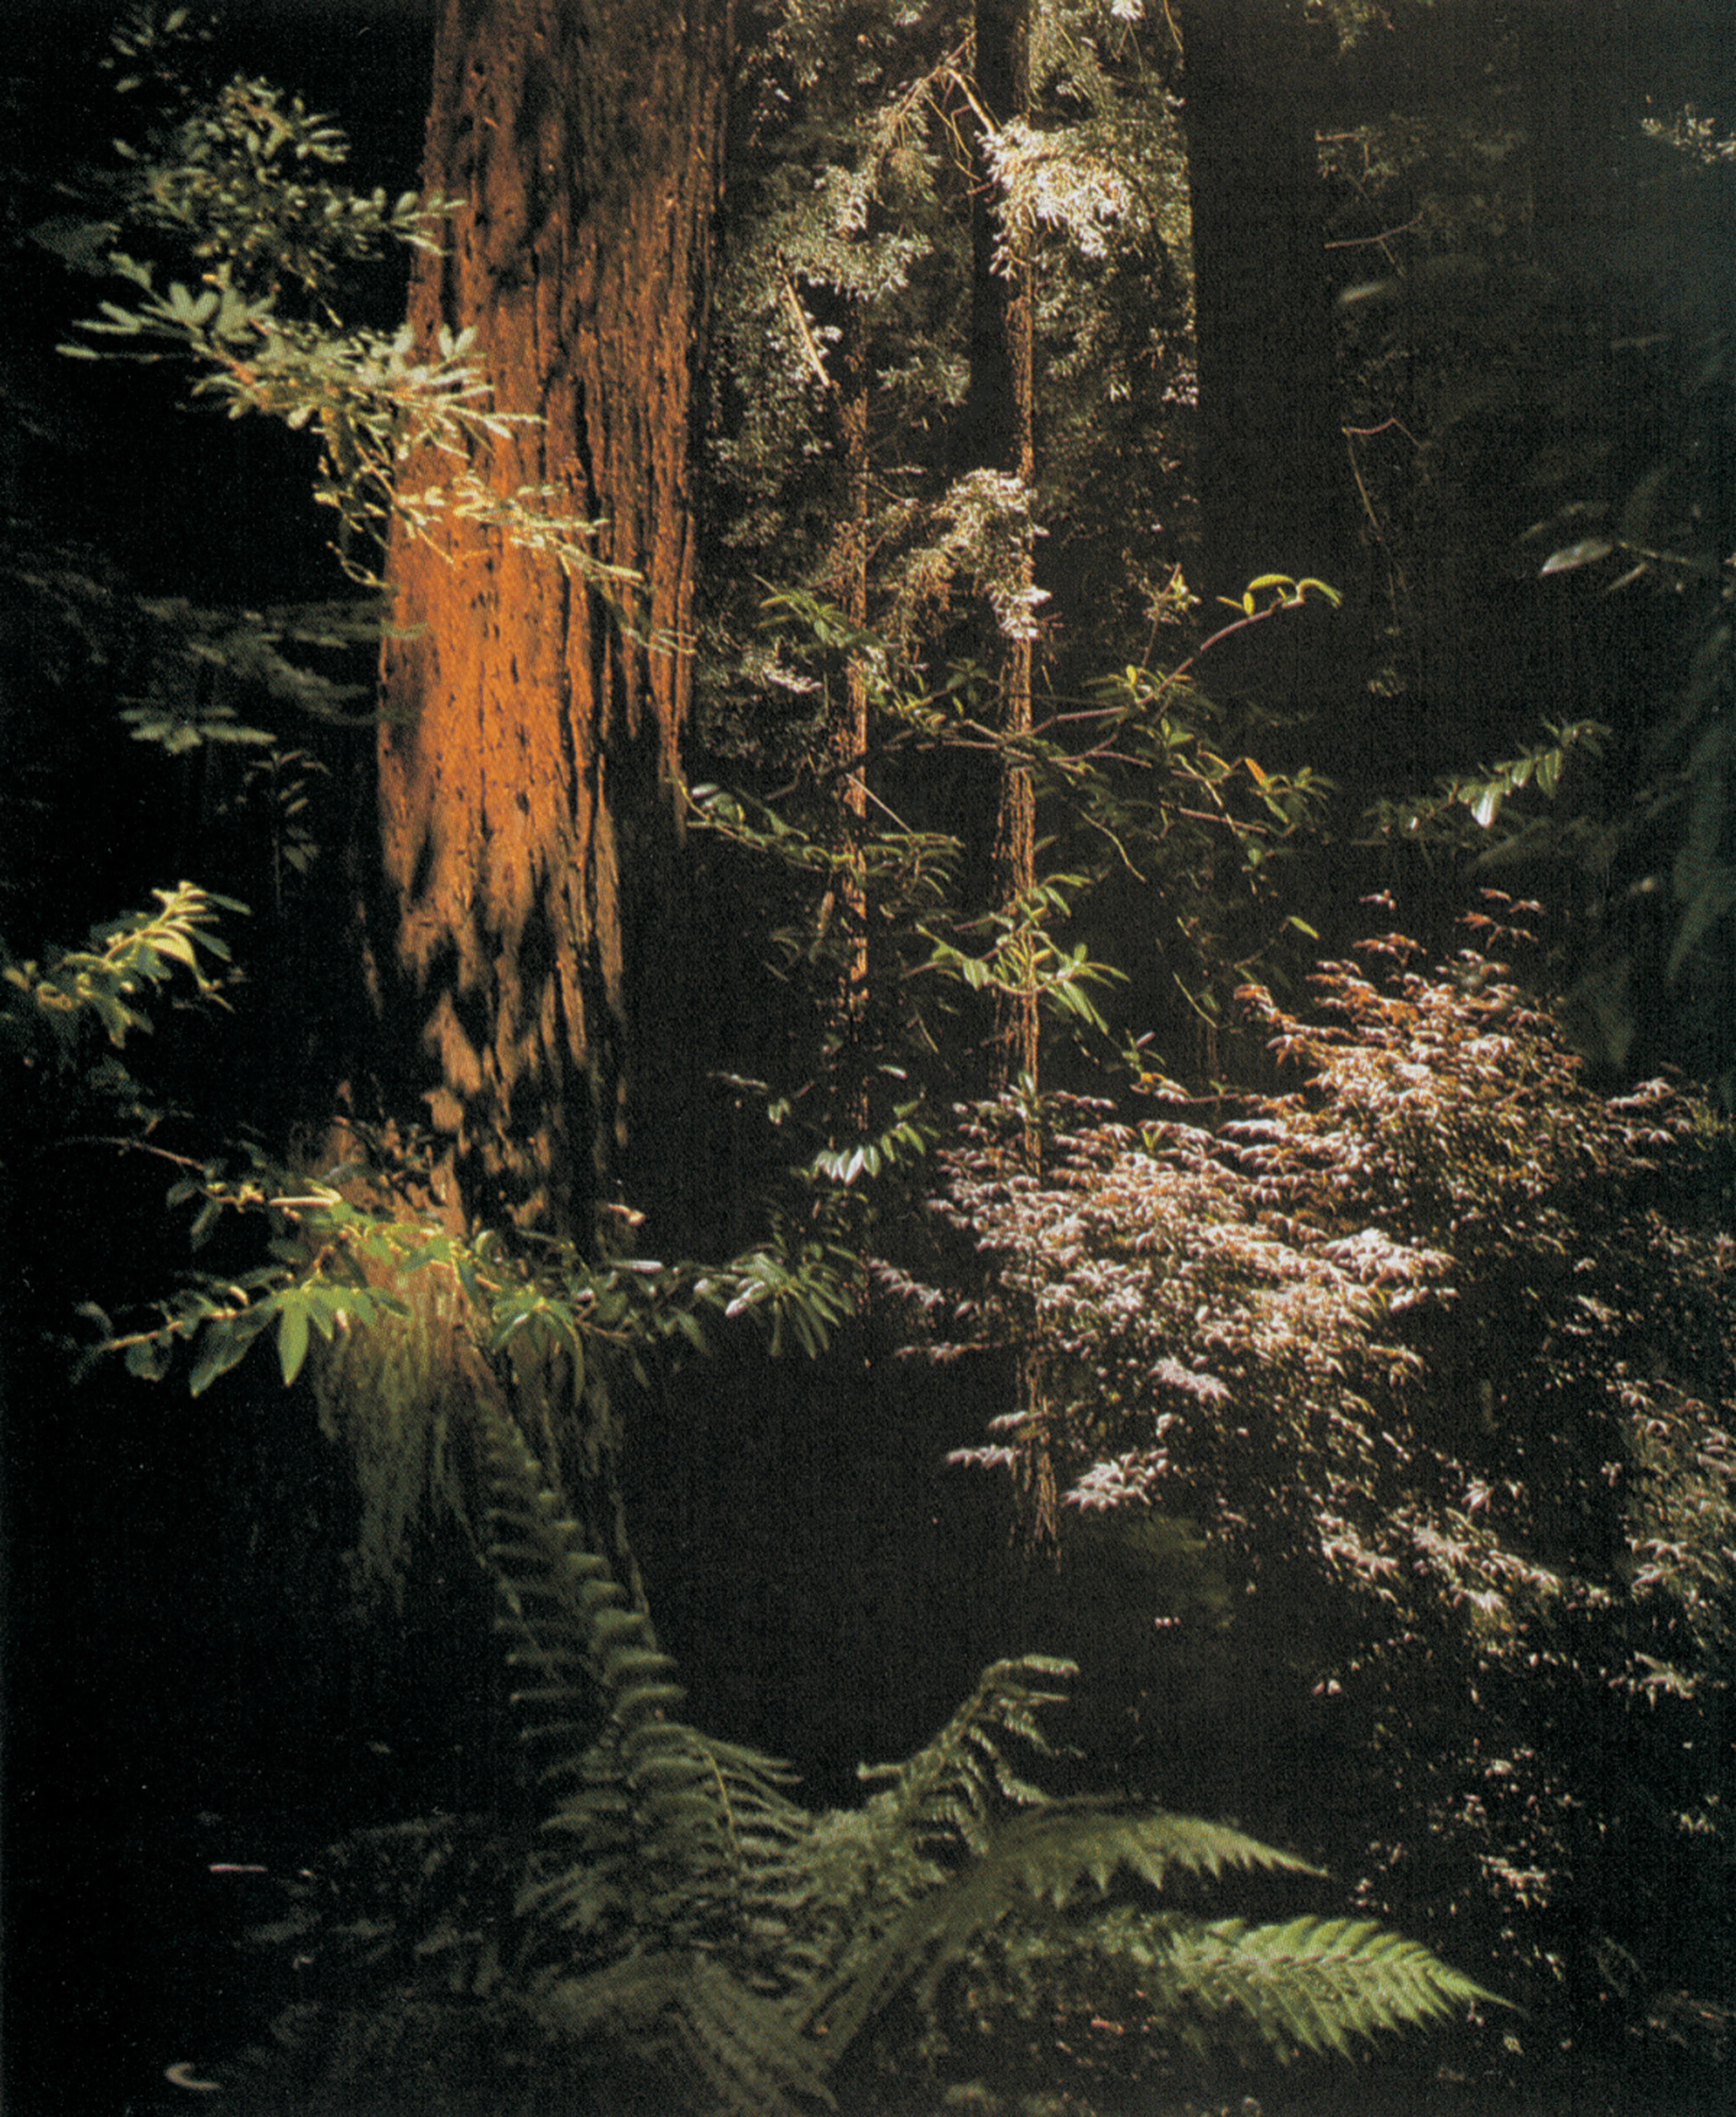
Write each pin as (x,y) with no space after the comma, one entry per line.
(1435,1348)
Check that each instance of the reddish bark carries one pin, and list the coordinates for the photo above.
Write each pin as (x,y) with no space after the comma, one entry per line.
(529,767)
(999,836)
(847,723)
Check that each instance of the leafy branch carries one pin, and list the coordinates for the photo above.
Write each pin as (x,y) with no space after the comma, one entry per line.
(1485,793)
(342,1261)
(233,188)
(45,1005)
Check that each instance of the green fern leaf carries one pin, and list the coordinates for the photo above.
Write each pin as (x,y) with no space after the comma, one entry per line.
(1319,1984)
(753,2050)
(694,1915)
(1040,1858)
(698,1834)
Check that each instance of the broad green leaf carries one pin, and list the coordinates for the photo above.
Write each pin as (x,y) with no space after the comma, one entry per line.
(227,1339)
(219,1353)
(292,1340)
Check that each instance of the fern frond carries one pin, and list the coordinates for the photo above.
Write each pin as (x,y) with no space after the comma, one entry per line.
(755,2052)
(749,2049)
(950,1788)
(666,1830)
(1313,1983)
(1042,1858)
(565,1614)
(1049,1854)
(860,1870)
(1309,1984)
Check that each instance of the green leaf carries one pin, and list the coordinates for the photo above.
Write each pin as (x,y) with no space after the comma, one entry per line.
(292,1340)
(1574,556)
(225,1346)
(148,1359)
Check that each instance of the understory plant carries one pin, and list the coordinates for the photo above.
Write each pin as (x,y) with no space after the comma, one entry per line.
(649,1913)
(1431,1352)
(67,1015)
(678,1926)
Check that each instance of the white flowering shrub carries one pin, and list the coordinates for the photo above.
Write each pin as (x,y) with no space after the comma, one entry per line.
(1433,1348)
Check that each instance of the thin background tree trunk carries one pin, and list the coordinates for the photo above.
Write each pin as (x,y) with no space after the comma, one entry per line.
(847,723)
(1000,827)
(1000,833)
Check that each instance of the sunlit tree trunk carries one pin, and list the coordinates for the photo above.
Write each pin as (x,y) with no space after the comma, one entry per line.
(1000,827)
(529,776)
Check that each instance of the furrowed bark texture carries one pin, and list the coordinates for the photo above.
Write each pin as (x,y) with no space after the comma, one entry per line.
(529,753)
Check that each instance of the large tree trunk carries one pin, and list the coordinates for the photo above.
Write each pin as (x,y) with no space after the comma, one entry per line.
(529,783)
(1000,830)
